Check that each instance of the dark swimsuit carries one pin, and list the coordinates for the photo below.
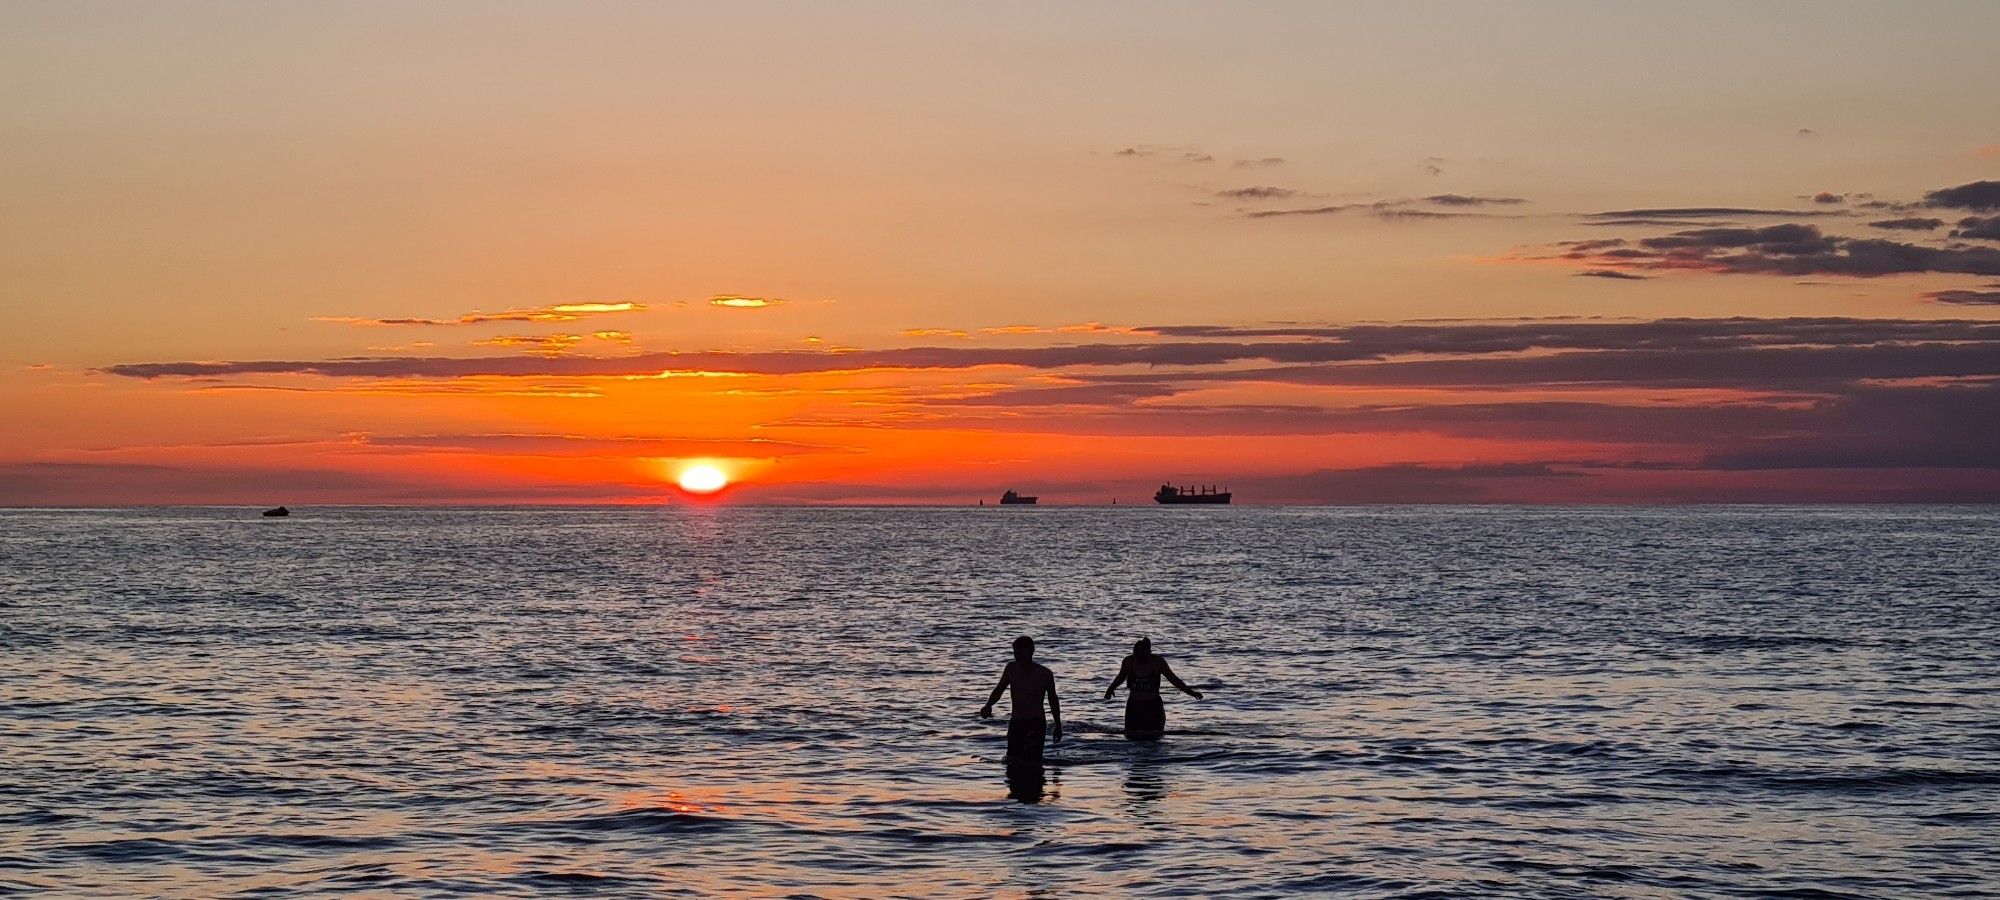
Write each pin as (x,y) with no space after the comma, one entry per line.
(1024,740)
(1145,713)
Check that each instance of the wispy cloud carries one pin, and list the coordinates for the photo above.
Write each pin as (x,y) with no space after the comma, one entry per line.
(1359,354)
(1612,274)
(550,344)
(1182,154)
(562,312)
(1256,192)
(1077,328)
(1672,213)
(1468,200)
(1989,297)
(732,301)
(1391,210)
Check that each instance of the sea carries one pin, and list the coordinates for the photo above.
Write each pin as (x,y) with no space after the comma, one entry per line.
(1740,701)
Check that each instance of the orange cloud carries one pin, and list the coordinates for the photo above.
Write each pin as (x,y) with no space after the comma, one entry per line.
(730,301)
(562,312)
(1078,328)
(540,344)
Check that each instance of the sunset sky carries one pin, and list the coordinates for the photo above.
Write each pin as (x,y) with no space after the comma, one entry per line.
(500,252)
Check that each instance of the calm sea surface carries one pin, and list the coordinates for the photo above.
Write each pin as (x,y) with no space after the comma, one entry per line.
(1551,702)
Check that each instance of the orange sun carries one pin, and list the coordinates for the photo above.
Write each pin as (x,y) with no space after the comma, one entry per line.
(703,479)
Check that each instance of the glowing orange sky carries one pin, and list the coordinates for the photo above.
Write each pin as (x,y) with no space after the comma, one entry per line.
(925,255)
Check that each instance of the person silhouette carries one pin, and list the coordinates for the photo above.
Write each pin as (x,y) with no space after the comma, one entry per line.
(1145,713)
(1030,681)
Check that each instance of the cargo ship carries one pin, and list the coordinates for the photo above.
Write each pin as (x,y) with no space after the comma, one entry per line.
(1197,494)
(1012,499)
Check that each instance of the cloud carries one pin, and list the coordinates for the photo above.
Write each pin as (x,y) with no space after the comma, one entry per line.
(1557,408)
(1588,246)
(1611,273)
(1789,249)
(1987,229)
(1674,213)
(1392,210)
(563,312)
(1258,192)
(1967,297)
(1829,197)
(731,301)
(1334,209)
(1262,162)
(550,344)
(1077,328)
(1975,195)
(1659,223)
(571,445)
(1066,395)
(1913,223)
(1667,351)
(934,332)
(1183,154)
(1400,214)
(1465,200)
(1434,166)
(123,484)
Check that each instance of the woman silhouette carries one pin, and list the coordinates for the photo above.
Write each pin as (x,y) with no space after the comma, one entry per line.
(1145,713)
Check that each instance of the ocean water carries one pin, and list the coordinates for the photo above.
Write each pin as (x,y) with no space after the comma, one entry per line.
(1753,701)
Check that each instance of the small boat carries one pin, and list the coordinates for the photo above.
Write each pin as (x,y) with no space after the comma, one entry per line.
(1012,499)
(1169,494)
(280,511)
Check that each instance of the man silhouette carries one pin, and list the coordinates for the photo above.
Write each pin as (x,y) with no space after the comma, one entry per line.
(1030,681)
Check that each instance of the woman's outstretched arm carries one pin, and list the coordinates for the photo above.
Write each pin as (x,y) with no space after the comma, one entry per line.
(1124,669)
(1168,671)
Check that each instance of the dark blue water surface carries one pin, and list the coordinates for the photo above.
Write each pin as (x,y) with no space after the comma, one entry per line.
(1551,702)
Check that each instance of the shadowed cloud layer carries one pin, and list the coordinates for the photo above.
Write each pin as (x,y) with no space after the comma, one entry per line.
(1217,345)
(1572,408)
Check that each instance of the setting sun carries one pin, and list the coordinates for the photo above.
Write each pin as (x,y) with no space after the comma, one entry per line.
(703,479)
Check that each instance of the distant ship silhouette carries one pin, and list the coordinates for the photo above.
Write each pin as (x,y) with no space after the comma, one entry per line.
(1170,494)
(280,511)
(1012,499)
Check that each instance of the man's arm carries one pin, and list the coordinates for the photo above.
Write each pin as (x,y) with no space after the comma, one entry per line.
(1006,678)
(1055,710)
(1124,669)
(1168,671)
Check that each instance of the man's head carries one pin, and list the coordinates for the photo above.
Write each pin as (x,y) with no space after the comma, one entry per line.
(1024,648)
(1142,647)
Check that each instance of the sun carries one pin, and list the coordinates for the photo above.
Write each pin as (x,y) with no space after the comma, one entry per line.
(703,479)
